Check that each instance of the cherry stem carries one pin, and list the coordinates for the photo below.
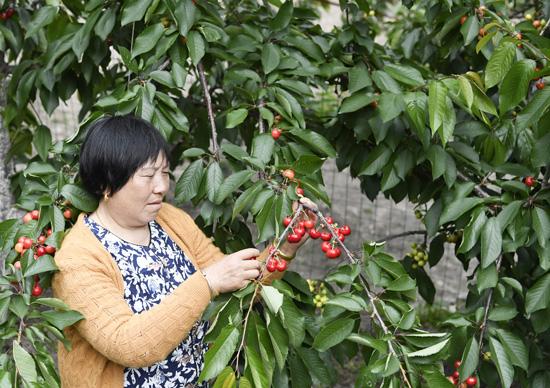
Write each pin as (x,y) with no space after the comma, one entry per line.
(245,324)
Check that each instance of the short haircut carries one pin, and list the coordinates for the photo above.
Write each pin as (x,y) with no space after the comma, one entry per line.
(114,148)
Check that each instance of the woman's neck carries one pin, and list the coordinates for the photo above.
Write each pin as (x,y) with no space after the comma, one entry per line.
(135,234)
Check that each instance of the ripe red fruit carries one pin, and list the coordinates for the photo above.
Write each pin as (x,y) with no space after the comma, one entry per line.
(341,237)
(314,234)
(374,104)
(35,214)
(482,31)
(287,220)
(536,23)
(299,191)
(41,239)
(17,265)
(519,36)
(529,181)
(326,236)
(302,224)
(40,251)
(271,265)
(309,224)
(540,84)
(3,16)
(345,230)
(275,133)
(329,220)
(21,239)
(49,249)
(455,374)
(300,231)
(27,243)
(325,246)
(27,217)
(457,364)
(289,174)
(36,290)
(19,247)
(471,381)
(10,12)
(294,238)
(333,253)
(282,265)
(49,232)
(463,19)
(68,214)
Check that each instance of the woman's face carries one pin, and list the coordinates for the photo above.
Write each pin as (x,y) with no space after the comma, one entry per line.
(140,199)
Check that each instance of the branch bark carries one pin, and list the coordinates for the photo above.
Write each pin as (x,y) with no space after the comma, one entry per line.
(487,308)
(394,236)
(478,190)
(208,100)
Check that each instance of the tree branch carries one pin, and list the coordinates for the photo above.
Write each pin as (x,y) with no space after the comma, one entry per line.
(394,236)
(261,125)
(477,189)
(208,101)
(487,308)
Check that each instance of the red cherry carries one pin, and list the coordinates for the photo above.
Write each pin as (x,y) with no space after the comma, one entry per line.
(302,224)
(529,181)
(27,217)
(289,174)
(341,237)
(21,239)
(471,381)
(17,265)
(455,374)
(41,239)
(287,220)
(49,249)
(539,84)
(300,191)
(36,290)
(40,251)
(275,133)
(3,16)
(68,214)
(9,12)
(326,236)
(329,220)
(300,231)
(463,19)
(27,243)
(333,253)
(308,224)
(49,232)
(314,234)
(271,265)
(325,246)
(35,214)
(294,238)
(19,247)
(457,364)
(345,230)
(282,265)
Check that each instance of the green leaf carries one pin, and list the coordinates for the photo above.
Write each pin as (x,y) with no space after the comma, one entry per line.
(283,17)
(487,277)
(538,296)
(307,164)
(437,104)
(185,13)
(470,358)
(515,85)
(466,90)
(196,46)
(270,57)
(179,74)
(147,40)
(348,301)
(52,302)
(220,353)
(293,320)
(134,11)
(502,361)
(385,366)
(214,179)
(105,24)
(236,117)
(508,213)
(62,319)
(515,348)
(279,340)
(246,198)
(385,82)
(42,141)
(356,102)
(358,78)
(24,363)
(232,183)
(534,109)
(333,333)
(429,351)
(416,105)
(500,63)
(79,197)
(470,29)
(539,156)
(405,74)
(273,298)
(402,283)
(541,224)
(457,208)
(491,242)
(316,141)
(438,159)
(43,264)
(41,18)
(262,147)
(391,106)
(226,378)
(189,182)
(436,379)
(366,340)
(376,160)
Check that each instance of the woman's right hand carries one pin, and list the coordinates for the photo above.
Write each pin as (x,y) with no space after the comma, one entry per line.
(233,271)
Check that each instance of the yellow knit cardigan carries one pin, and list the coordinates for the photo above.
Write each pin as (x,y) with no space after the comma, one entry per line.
(111,337)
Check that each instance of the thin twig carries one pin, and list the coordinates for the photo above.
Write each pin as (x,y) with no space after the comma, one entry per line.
(487,308)
(131,49)
(394,236)
(208,100)
(261,125)
(164,64)
(544,29)
(241,345)
(477,189)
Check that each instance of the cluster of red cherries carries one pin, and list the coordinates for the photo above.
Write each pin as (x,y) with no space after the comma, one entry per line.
(7,14)
(329,244)
(471,381)
(275,263)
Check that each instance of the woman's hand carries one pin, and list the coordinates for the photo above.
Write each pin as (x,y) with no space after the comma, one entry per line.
(310,208)
(233,271)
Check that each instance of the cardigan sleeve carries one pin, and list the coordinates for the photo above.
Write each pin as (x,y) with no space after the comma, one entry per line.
(110,326)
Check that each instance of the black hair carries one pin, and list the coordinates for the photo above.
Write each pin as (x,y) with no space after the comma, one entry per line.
(114,148)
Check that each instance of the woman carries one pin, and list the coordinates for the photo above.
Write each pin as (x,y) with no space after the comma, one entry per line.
(139,270)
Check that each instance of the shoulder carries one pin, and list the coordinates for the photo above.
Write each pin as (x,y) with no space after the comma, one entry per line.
(171,214)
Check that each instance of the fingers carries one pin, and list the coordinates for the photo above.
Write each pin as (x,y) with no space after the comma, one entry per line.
(246,254)
(308,203)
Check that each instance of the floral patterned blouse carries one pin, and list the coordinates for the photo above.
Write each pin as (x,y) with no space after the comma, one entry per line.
(150,273)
